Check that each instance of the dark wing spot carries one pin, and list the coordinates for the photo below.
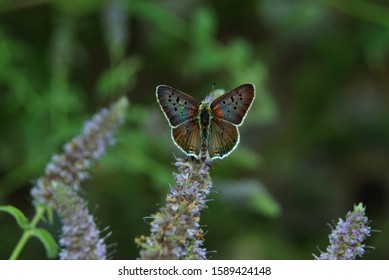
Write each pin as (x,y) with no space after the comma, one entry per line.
(224,102)
(178,99)
(186,102)
(232,99)
(241,98)
(174,104)
(234,108)
(169,100)
(175,109)
(240,95)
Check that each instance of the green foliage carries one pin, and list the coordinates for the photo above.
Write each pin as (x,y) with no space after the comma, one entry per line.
(47,240)
(250,195)
(118,78)
(17,214)
(265,204)
(30,230)
(315,141)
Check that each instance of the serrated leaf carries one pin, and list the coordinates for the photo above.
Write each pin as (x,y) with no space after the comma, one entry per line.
(21,220)
(48,241)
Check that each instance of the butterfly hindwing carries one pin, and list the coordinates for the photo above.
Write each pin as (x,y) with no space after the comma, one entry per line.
(233,105)
(223,138)
(177,106)
(187,137)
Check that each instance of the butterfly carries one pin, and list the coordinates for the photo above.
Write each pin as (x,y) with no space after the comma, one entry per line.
(208,129)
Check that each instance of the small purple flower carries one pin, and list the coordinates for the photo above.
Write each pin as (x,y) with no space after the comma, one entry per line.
(175,230)
(347,239)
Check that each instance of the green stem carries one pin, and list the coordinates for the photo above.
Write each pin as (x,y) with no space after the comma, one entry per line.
(27,233)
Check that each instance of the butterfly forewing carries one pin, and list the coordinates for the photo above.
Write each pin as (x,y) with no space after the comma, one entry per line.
(223,138)
(233,105)
(187,137)
(177,106)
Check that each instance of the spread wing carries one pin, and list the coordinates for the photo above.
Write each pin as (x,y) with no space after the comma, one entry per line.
(223,138)
(187,137)
(234,105)
(177,106)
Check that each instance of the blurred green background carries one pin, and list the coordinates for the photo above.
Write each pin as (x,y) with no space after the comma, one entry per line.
(315,142)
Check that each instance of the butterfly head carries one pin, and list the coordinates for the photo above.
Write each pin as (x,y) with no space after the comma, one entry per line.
(204,106)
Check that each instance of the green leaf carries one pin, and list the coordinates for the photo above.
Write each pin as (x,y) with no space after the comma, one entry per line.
(17,214)
(251,193)
(119,78)
(204,26)
(265,204)
(50,214)
(48,241)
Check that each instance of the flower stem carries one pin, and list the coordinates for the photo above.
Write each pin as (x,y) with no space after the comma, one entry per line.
(27,233)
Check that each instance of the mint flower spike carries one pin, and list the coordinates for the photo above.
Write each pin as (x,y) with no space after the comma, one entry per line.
(175,229)
(70,167)
(80,237)
(115,22)
(348,237)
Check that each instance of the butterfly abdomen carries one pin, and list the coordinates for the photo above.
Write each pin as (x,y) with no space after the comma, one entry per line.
(205,122)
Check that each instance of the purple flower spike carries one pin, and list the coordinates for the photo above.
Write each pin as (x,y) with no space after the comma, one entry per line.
(80,239)
(347,239)
(70,167)
(58,187)
(175,230)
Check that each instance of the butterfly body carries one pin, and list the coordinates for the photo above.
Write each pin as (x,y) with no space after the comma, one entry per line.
(206,130)
(204,121)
